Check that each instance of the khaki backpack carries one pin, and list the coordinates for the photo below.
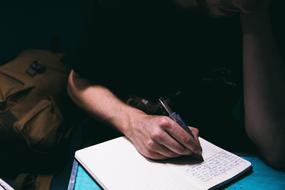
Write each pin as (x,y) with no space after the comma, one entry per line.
(32,127)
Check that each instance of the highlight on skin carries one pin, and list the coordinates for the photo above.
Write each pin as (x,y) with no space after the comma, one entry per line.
(221,7)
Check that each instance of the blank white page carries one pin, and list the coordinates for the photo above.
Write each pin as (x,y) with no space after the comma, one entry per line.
(117,165)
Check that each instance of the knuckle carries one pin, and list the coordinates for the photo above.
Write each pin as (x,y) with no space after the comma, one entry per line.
(187,139)
(163,120)
(195,130)
(156,135)
(150,145)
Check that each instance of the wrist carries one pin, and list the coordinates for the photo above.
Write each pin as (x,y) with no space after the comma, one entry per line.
(126,119)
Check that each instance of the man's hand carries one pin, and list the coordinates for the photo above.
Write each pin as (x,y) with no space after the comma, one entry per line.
(155,137)
(159,137)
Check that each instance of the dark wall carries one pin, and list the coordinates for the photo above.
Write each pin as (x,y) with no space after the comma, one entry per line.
(35,23)
(39,24)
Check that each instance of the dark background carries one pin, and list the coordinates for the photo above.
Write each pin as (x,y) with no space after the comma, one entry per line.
(39,24)
(58,24)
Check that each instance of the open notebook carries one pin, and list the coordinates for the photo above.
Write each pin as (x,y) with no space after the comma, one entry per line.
(4,185)
(117,165)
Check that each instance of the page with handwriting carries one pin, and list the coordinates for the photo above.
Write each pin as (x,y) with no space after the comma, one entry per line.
(117,165)
(219,165)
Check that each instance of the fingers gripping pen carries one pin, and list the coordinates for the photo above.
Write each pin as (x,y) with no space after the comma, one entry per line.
(175,116)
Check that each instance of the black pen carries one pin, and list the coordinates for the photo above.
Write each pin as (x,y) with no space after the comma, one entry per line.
(177,118)
(174,116)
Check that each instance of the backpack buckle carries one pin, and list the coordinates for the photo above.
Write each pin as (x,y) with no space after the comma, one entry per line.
(35,68)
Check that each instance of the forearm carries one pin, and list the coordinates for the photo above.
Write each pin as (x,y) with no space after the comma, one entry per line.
(156,137)
(101,103)
(264,80)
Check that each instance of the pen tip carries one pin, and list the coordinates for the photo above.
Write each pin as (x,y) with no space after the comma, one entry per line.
(199,158)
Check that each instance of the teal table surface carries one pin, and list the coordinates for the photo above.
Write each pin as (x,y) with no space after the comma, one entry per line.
(262,177)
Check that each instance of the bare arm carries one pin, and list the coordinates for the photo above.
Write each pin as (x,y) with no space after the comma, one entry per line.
(264,77)
(264,87)
(156,137)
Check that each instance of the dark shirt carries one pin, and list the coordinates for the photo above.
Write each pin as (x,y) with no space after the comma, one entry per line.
(154,48)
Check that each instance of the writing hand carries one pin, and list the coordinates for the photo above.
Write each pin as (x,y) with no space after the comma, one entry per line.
(159,137)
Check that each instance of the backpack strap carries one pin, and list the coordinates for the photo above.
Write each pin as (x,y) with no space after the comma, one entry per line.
(28,181)
(43,182)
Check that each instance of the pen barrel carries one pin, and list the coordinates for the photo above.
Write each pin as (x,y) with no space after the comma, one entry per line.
(177,118)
